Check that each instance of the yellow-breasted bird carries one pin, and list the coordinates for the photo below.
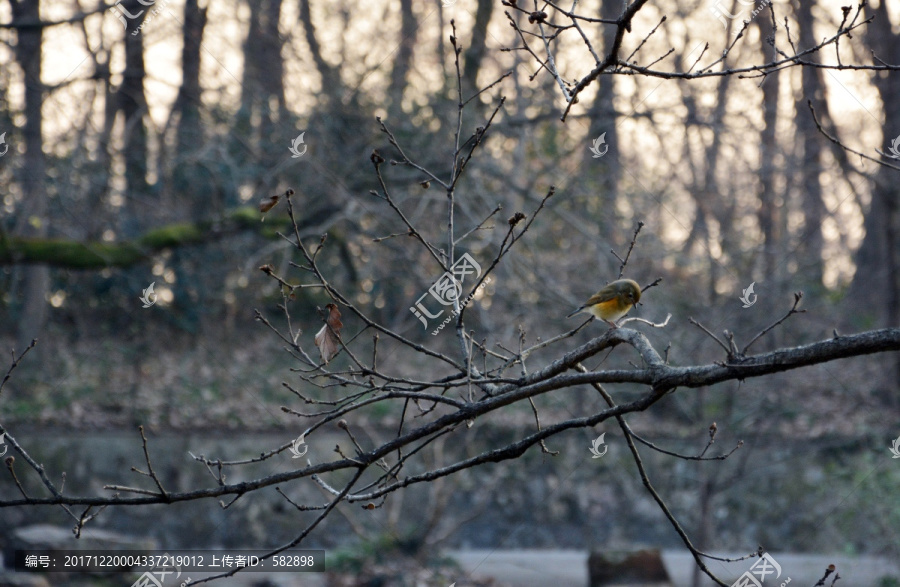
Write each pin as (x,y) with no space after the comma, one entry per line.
(612,302)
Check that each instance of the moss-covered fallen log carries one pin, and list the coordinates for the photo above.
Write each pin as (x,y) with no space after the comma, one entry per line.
(72,254)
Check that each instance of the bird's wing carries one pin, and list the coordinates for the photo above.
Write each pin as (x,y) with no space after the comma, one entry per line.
(601,296)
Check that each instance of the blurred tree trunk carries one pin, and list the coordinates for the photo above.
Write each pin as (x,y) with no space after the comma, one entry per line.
(771,201)
(263,78)
(770,207)
(809,152)
(263,123)
(187,104)
(33,220)
(720,206)
(603,117)
(877,258)
(477,44)
(331,79)
(403,60)
(707,193)
(188,130)
(96,220)
(132,102)
(441,42)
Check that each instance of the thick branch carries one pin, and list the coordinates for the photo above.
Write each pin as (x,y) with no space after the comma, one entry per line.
(659,376)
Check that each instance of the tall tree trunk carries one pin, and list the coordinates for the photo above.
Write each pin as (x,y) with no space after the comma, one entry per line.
(810,151)
(262,121)
(188,100)
(403,60)
(188,131)
(97,219)
(769,207)
(33,220)
(263,77)
(877,258)
(475,52)
(707,193)
(603,118)
(331,79)
(132,102)
(722,208)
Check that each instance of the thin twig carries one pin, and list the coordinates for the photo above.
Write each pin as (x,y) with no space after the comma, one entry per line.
(644,40)
(711,335)
(151,472)
(15,363)
(624,261)
(845,147)
(797,297)
(626,429)
(10,464)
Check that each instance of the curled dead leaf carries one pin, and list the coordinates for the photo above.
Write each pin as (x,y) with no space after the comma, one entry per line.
(267,204)
(328,338)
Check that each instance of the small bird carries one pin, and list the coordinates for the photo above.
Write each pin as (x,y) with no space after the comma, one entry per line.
(612,302)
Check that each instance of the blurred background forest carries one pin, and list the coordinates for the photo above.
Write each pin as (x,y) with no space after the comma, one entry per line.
(139,158)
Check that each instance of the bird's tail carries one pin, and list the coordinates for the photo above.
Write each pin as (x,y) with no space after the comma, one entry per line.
(576,311)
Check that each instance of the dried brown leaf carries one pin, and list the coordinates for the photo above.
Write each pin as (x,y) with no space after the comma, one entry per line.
(328,338)
(267,204)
